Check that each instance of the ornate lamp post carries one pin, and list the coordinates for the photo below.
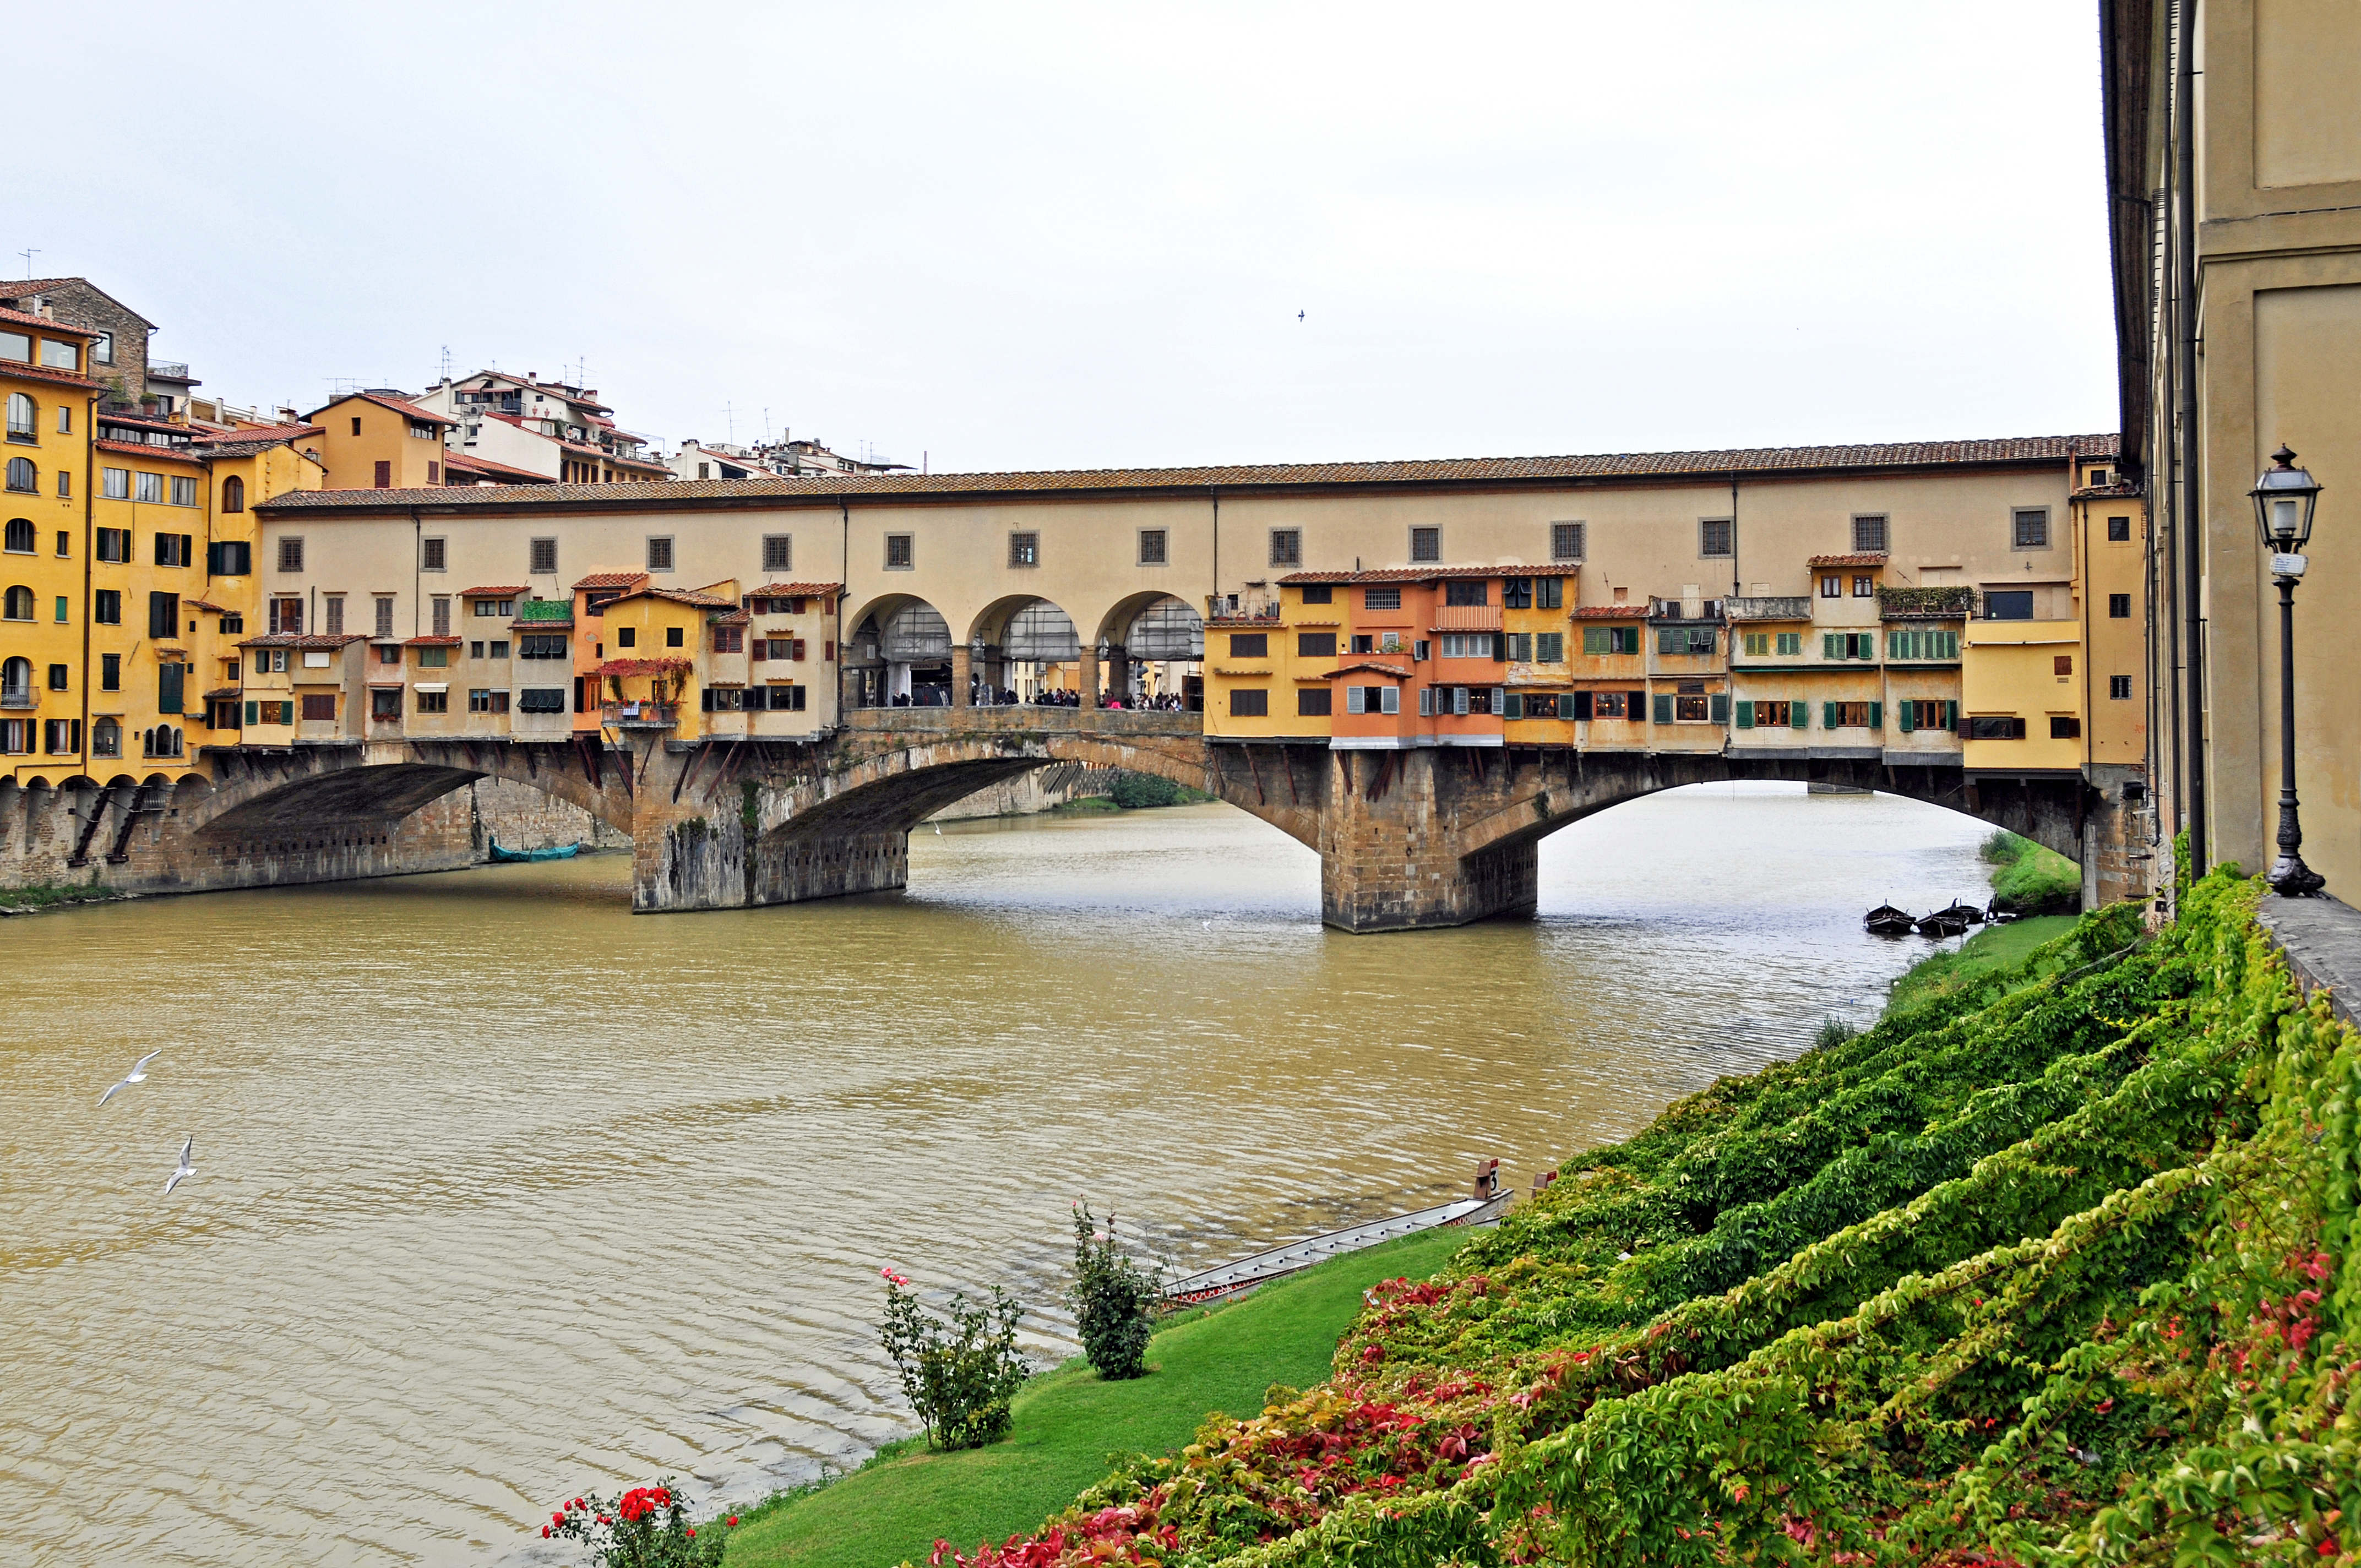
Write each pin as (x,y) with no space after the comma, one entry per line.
(2284,498)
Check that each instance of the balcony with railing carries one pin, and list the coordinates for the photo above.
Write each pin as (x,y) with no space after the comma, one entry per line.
(1677,610)
(1779,606)
(1925,604)
(646,715)
(168,369)
(22,699)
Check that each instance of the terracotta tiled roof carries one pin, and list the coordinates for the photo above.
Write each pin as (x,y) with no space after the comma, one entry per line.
(2013,451)
(44,323)
(220,692)
(1859,558)
(1432,573)
(676,596)
(1609,612)
(611,580)
(2108,492)
(305,640)
(735,617)
(399,405)
(1371,664)
(254,438)
(43,373)
(565,625)
(431,641)
(496,592)
(468,462)
(143,449)
(789,590)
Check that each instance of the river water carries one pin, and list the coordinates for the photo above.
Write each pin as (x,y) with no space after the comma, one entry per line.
(503,1193)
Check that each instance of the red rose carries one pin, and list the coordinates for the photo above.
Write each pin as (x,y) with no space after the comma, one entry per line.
(733,1518)
(545,1532)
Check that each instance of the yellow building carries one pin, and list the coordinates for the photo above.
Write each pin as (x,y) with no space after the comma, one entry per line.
(658,642)
(1267,675)
(151,518)
(42,630)
(379,441)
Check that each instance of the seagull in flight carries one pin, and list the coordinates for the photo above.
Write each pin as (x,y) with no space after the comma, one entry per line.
(186,1169)
(139,1075)
(1298,315)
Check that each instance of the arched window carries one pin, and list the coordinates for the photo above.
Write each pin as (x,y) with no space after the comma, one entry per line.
(20,603)
(21,415)
(20,535)
(16,681)
(21,476)
(106,739)
(233,494)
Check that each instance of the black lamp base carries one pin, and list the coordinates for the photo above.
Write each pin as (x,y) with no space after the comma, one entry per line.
(2290,877)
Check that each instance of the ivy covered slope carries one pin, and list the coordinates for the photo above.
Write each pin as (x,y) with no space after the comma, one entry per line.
(2056,1268)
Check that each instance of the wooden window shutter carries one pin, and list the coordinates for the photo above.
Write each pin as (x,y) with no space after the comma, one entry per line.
(1720,708)
(1663,709)
(1952,717)
(1830,645)
(250,711)
(1799,714)
(1907,718)
(384,475)
(1877,716)
(1746,716)
(1827,716)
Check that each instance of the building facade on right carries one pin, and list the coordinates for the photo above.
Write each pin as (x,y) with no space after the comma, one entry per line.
(2233,172)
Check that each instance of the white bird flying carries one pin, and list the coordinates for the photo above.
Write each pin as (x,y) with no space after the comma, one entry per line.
(186,1169)
(139,1075)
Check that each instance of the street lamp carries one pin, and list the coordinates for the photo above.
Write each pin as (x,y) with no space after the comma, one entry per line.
(2284,498)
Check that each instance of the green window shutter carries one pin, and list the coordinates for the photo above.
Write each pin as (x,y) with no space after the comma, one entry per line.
(1746,716)
(1906,717)
(1721,707)
(1877,716)
(1566,705)
(1516,706)
(1799,714)
(1827,716)
(250,713)
(1832,645)
(1663,709)
(1952,717)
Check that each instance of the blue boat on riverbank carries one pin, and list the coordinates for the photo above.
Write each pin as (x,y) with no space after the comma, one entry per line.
(554,852)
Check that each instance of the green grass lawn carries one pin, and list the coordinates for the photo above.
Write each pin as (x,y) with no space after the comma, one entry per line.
(1068,1421)
(1992,948)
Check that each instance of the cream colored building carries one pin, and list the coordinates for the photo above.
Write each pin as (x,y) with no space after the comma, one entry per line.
(2238,318)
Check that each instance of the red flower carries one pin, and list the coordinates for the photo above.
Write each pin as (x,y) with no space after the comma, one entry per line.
(577,1502)
(733,1518)
(545,1532)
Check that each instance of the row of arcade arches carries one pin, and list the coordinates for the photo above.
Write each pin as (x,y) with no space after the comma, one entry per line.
(899,651)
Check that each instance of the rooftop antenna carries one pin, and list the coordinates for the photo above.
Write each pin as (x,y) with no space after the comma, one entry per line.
(28,256)
(447,362)
(766,427)
(729,417)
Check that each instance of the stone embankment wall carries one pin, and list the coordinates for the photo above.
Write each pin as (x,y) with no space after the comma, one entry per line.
(522,818)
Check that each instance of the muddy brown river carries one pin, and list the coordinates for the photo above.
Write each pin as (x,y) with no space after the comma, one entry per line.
(503,1192)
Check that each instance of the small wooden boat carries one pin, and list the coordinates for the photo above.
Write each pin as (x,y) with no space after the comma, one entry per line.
(1941,924)
(1887,921)
(1965,913)
(554,852)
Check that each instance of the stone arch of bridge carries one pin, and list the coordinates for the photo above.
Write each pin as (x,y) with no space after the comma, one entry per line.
(271,793)
(1542,790)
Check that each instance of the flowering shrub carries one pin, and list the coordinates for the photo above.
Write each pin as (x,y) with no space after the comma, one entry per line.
(1114,1302)
(960,1368)
(647,1527)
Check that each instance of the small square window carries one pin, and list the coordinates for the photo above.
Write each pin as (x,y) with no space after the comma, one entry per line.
(2062,665)
(900,555)
(2119,607)
(1287,547)
(2119,688)
(2029,528)
(660,553)
(1426,544)
(673,637)
(290,555)
(1831,586)
(1714,537)
(540,556)
(779,553)
(1024,549)
(2062,728)
(1864,588)
(2119,531)
(1152,547)
(430,554)
(1566,541)
(1869,534)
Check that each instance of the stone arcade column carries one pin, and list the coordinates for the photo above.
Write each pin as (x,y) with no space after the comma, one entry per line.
(1390,856)
(1087,667)
(963,662)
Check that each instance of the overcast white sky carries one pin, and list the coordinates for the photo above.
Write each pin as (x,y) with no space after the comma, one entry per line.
(1031,236)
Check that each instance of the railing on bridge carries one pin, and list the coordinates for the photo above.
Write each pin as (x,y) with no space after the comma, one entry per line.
(1034,717)
(627,713)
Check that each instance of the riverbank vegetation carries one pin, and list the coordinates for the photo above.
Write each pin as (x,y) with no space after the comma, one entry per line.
(2055,1264)
(1135,792)
(38,896)
(1068,1421)
(2029,879)
(1991,949)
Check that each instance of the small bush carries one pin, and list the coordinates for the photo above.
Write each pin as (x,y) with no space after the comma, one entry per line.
(647,1527)
(1135,791)
(2032,879)
(958,1368)
(1114,1302)
(1833,1031)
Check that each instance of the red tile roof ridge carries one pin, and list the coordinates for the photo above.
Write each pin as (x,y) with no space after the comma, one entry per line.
(1717,464)
(60,328)
(1857,558)
(677,595)
(778,590)
(305,640)
(739,617)
(384,400)
(1432,573)
(1376,665)
(432,641)
(1609,611)
(144,449)
(609,580)
(468,460)
(496,591)
(43,373)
